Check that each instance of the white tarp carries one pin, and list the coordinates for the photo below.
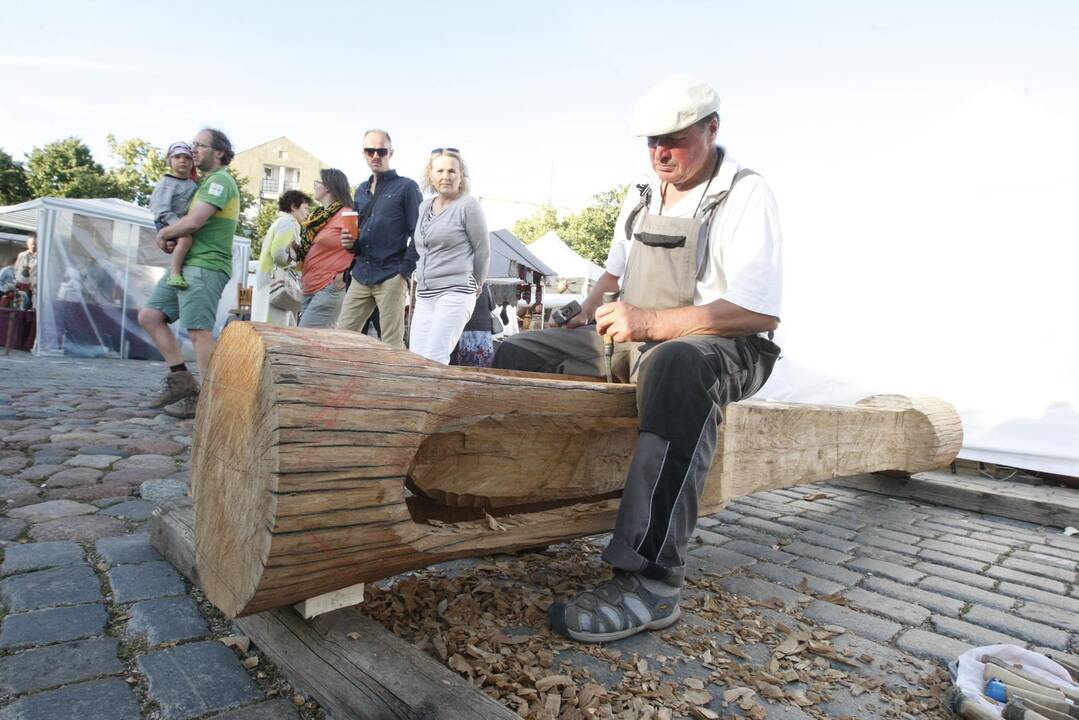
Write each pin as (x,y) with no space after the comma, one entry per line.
(566,263)
(98,262)
(944,265)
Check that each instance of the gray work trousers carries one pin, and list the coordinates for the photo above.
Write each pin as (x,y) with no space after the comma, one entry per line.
(682,387)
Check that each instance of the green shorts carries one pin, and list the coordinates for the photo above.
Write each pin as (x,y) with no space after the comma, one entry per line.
(196,306)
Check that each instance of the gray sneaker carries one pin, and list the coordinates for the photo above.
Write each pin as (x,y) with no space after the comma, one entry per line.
(615,609)
(175,387)
(185,409)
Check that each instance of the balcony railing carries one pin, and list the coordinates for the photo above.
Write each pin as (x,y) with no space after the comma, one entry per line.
(269,185)
(292,185)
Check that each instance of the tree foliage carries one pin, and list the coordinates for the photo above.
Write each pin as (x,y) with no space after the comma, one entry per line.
(66,168)
(588,232)
(265,218)
(140,166)
(13,186)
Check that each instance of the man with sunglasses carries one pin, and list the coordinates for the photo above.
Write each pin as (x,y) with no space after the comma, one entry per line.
(388,205)
(696,257)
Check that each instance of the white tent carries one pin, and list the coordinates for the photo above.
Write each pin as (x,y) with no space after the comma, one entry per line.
(944,264)
(566,263)
(98,262)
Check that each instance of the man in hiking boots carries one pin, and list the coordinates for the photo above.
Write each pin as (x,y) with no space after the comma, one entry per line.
(696,255)
(211,221)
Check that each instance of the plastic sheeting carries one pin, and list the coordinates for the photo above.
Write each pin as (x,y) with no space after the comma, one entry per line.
(95,273)
(943,264)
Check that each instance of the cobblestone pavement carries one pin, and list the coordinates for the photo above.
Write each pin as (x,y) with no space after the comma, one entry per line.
(96,625)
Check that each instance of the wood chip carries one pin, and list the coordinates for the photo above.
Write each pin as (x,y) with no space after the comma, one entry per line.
(697,697)
(702,713)
(545,684)
(251,662)
(811,497)
(353,636)
(734,650)
(494,524)
(695,683)
(240,642)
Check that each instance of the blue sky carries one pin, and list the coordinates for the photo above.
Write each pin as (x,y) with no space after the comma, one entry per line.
(537,96)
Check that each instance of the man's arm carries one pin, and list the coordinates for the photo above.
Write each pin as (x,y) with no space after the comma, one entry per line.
(412,201)
(627,323)
(189,224)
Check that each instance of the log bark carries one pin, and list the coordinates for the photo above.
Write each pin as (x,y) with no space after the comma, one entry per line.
(322,459)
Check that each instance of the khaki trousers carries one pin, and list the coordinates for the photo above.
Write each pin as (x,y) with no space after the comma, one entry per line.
(390,297)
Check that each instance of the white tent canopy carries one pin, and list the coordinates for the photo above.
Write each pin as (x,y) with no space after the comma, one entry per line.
(566,263)
(943,264)
(98,262)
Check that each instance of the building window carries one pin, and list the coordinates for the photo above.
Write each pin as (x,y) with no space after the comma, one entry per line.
(271,179)
(282,154)
(292,178)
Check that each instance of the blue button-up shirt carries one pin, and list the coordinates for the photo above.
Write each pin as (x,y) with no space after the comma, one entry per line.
(385,247)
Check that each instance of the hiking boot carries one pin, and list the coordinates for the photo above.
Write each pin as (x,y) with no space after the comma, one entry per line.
(615,609)
(185,409)
(175,387)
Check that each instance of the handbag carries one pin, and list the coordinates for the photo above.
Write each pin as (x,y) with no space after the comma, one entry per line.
(496,322)
(285,293)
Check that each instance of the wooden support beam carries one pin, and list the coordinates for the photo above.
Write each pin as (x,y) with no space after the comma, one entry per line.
(336,600)
(322,459)
(375,675)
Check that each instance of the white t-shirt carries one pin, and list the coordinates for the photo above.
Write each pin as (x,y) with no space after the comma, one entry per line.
(739,254)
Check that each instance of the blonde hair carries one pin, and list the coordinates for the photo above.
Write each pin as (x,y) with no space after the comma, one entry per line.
(431,163)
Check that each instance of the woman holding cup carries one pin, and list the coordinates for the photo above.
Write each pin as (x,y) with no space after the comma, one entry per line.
(325,262)
(454,254)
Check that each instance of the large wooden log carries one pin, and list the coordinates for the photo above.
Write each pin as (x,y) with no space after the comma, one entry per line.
(323,459)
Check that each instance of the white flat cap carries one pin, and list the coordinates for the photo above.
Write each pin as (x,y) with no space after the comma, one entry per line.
(673,104)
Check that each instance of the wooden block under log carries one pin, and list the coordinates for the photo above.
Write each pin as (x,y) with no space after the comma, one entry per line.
(350,663)
(322,459)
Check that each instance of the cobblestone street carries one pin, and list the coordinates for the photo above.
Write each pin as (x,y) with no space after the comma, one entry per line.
(97,625)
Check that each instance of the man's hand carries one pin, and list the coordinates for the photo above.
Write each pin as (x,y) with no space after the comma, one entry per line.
(623,322)
(167,246)
(347,241)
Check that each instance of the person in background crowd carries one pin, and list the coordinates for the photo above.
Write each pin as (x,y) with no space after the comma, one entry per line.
(700,263)
(325,262)
(26,271)
(282,235)
(476,346)
(211,221)
(454,255)
(170,201)
(385,254)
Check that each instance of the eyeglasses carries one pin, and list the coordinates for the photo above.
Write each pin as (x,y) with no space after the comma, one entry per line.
(319,182)
(195,145)
(371,152)
(436,151)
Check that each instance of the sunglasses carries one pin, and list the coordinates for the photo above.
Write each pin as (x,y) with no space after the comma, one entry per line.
(371,152)
(436,151)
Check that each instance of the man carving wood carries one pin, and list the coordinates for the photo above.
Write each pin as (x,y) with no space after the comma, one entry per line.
(697,255)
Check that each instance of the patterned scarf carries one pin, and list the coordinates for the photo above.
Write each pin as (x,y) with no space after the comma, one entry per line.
(315,222)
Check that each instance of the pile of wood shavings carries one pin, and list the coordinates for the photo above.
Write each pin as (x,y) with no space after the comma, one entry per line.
(489,625)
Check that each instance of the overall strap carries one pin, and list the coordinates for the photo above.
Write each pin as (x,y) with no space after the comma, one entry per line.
(712,206)
(646,199)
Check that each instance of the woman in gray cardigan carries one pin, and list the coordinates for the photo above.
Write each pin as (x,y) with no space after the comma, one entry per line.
(455,252)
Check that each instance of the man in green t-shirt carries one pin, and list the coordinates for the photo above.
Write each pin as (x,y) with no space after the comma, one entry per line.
(211,221)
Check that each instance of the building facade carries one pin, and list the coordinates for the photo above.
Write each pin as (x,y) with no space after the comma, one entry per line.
(276,166)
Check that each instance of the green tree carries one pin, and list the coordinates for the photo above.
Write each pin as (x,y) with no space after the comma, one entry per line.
(246,226)
(66,168)
(13,187)
(589,232)
(265,218)
(140,166)
(533,228)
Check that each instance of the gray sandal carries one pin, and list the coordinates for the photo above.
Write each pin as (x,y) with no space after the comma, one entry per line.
(615,609)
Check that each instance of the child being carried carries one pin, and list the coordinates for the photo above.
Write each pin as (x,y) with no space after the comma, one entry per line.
(170,200)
